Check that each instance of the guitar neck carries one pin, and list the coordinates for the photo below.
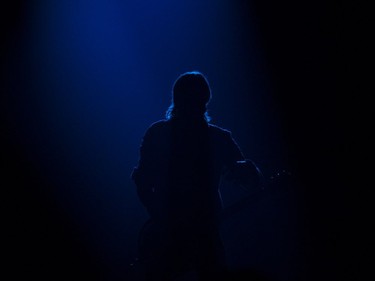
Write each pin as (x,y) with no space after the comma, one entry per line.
(278,180)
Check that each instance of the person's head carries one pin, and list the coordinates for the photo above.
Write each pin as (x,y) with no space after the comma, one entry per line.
(190,95)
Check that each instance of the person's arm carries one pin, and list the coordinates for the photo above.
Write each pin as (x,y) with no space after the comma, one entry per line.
(231,150)
(142,174)
(242,171)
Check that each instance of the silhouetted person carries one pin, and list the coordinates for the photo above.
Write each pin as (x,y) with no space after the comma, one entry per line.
(182,160)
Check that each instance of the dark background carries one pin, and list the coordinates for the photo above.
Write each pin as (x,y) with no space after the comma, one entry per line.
(81,81)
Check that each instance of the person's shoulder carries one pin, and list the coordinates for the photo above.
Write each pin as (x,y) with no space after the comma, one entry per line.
(219,130)
(157,126)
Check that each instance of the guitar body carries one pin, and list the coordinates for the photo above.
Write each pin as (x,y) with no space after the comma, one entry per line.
(155,241)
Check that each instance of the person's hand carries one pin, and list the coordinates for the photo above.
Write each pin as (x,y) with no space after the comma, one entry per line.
(246,174)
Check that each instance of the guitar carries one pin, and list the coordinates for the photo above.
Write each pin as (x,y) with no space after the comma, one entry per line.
(150,240)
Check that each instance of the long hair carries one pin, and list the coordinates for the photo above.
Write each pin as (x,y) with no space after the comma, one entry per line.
(190,94)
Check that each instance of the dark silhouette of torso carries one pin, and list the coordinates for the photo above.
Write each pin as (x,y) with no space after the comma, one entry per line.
(177,177)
